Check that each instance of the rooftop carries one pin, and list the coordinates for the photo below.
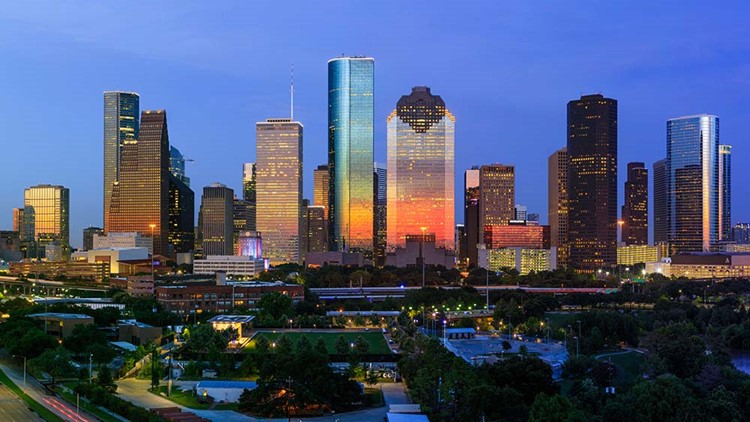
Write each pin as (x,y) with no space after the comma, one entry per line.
(60,315)
(235,319)
(226,384)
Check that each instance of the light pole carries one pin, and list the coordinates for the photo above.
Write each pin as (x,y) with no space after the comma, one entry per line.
(576,337)
(487,275)
(579,327)
(152,250)
(421,251)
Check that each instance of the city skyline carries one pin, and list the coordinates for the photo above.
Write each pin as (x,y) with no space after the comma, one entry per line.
(660,71)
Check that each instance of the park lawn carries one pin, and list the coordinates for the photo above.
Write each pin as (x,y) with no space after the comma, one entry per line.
(40,410)
(378,345)
(628,367)
(559,319)
(187,399)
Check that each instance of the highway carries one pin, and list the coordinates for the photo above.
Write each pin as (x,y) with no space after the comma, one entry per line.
(13,408)
(381,293)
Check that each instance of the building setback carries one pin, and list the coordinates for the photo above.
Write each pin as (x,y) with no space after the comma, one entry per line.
(592,182)
(635,209)
(557,203)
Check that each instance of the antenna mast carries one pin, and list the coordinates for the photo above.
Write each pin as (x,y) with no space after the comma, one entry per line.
(291,90)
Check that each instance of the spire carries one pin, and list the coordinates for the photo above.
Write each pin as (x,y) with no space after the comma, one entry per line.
(291,90)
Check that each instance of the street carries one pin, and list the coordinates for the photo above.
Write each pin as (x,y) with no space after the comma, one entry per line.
(13,408)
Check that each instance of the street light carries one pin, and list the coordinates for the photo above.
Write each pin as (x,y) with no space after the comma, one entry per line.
(421,253)
(576,345)
(152,250)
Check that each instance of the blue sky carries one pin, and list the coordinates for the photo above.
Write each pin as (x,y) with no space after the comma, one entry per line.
(506,69)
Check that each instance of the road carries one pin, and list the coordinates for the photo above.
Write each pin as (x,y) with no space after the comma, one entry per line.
(12,408)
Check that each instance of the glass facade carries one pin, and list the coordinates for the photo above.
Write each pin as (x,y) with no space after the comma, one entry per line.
(320,188)
(661,216)
(50,207)
(469,253)
(181,233)
(725,192)
(217,204)
(516,235)
(557,203)
(380,196)
(421,170)
(635,209)
(279,189)
(693,182)
(350,153)
(121,110)
(177,165)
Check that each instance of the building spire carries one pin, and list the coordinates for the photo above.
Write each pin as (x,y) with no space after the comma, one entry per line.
(291,90)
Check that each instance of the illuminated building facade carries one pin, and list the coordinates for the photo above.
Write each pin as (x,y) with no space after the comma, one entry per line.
(725,192)
(637,254)
(592,182)
(740,233)
(51,212)
(635,209)
(316,238)
(524,260)
(320,188)
(420,169)
(471,217)
(516,234)
(217,204)
(661,216)
(497,195)
(380,198)
(350,153)
(557,203)
(250,244)
(177,165)
(279,188)
(693,183)
(140,197)
(249,193)
(121,110)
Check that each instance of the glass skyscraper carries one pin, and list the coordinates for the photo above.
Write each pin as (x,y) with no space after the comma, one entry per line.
(380,196)
(421,170)
(661,216)
(725,192)
(217,220)
(50,207)
(121,111)
(557,203)
(177,165)
(693,182)
(350,153)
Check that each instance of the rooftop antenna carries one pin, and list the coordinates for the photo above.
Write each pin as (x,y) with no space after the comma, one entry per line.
(291,90)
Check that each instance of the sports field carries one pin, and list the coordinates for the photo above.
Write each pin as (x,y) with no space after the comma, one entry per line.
(378,344)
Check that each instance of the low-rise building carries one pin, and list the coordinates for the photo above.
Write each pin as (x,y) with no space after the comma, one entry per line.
(524,260)
(61,325)
(98,272)
(113,257)
(137,286)
(240,323)
(230,264)
(138,333)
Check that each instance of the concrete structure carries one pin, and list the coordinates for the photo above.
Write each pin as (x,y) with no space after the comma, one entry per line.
(138,333)
(136,286)
(197,297)
(637,254)
(88,302)
(230,264)
(497,195)
(516,234)
(111,256)
(710,265)
(421,248)
(98,272)
(61,325)
(319,259)
(123,240)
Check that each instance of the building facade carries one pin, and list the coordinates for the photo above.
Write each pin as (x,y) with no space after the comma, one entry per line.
(741,233)
(88,237)
(421,169)
(279,188)
(516,234)
(635,209)
(230,264)
(497,195)
(177,165)
(181,231)
(121,126)
(196,298)
(380,221)
(217,204)
(693,183)
(123,240)
(50,207)
(661,216)
(557,203)
(249,189)
(350,153)
(725,192)
(320,188)
(592,182)
(472,236)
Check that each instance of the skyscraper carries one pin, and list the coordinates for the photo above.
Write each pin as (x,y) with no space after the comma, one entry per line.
(315,229)
(661,216)
(120,126)
(320,188)
(421,169)
(241,217)
(216,211)
(725,192)
(88,237)
(472,235)
(380,197)
(279,188)
(51,213)
(350,153)
(497,195)
(249,193)
(635,209)
(557,203)
(140,197)
(181,232)
(693,182)
(592,182)
(177,165)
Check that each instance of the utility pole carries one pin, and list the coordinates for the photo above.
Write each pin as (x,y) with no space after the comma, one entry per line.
(91,367)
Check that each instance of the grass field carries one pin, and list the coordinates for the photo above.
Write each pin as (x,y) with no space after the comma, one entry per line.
(42,411)
(378,345)
(628,366)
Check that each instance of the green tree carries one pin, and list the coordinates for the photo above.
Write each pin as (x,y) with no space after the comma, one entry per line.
(320,346)
(284,345)
(88,339)
(55,362)
(675,348)
(555,409)
(303,345)
(274,305)
(261,344)
(341,346)
(361,346)
(104,378)
(665,398)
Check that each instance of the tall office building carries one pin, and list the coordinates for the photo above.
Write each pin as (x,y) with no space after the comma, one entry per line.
(279,188)
(741,233)
(216,211)
(592,182)
(725,192)
(177,165)
(635,209)
(248,193)
(380,198)
(316,239)
(181,231)
(51,213)
(472,237)
(693,182)
(557,203)
(121,110)
(661,216)
(420,170)
(320,188)
(350,153)
(497,195)
(242,214)
(140,197)
(88,237)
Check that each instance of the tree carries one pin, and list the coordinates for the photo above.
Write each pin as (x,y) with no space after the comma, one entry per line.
(677,349)
(284,345)
(554,409)
(665,398)
(55,362)
(320,346)
(361,346)
(506,345)
(303,345)
(104,378)
(261,344)
(88,339)
(275,305)
(341,346)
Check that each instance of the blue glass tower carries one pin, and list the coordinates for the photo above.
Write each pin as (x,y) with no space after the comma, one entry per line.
(350,153)
(693,182)
(121,112)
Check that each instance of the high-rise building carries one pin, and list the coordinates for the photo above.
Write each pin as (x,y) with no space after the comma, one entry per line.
(241,217)
(350,153)
(181,232)
(557,203)
(23,223)
(279,188)
(320,188)
(592,182)
(725,192)
(121,110)
(661,216)
(693,183)
(249,193)
(177,165)
(88,237)
(472,235)
(521,212)
(497,195)
(315,229)
(51,212)
(635,209)
(140,197)
(741,233)
(216,210)
(420,170)
(380,198)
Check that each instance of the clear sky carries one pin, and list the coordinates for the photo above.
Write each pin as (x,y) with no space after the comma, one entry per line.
(506,69)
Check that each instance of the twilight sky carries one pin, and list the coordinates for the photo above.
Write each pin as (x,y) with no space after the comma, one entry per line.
(505,69)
